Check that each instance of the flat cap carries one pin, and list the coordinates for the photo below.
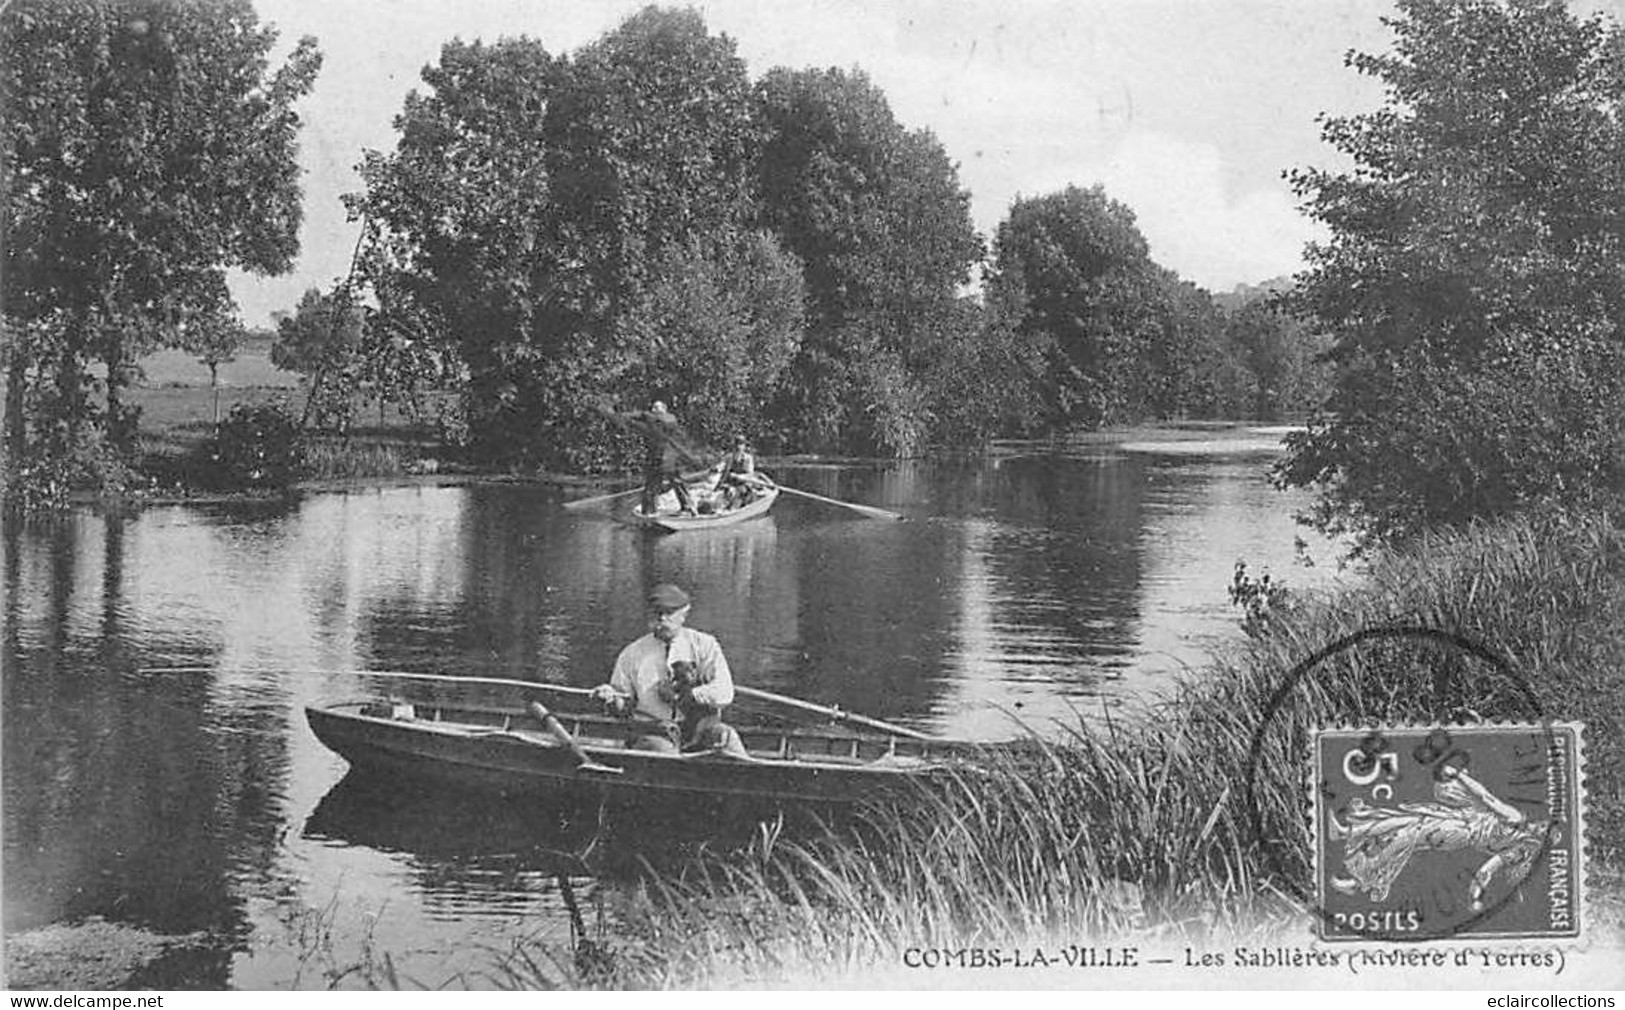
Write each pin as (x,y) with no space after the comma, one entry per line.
(667,597)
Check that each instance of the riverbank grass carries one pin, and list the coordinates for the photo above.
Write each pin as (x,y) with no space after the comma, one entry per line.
(1143,829)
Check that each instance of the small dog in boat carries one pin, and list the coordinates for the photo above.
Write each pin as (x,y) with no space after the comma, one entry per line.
(700,726)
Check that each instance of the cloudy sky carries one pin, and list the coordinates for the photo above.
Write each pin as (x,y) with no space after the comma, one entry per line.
(1186,110)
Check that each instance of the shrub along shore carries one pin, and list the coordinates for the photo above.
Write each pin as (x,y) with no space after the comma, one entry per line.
(1140,829)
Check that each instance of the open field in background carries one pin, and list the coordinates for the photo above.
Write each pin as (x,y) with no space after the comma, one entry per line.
(251,367)
(177,403)
(176,419)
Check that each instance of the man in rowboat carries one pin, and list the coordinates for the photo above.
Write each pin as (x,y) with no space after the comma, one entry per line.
(738,480)
(665,450)
(676,675)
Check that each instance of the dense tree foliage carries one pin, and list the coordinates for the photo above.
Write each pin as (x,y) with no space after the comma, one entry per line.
(982,373)
(316,332)
(1472,280)
(148,147)
(586,227)
(1274,366)
(652,143)
(878,218)
(1124,338)
(405,356)
(635,221)
(257,447)
(454,223)
(713,333)
(351,354)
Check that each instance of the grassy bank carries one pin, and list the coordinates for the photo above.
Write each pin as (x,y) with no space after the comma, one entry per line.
(1141,829)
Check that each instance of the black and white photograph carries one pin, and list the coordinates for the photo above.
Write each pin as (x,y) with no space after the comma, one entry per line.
(1116,495)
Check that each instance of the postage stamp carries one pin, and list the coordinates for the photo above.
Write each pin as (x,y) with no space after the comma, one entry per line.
(1441,832)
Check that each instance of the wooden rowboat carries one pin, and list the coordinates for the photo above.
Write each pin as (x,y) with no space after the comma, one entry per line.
(481,740)
(676,522)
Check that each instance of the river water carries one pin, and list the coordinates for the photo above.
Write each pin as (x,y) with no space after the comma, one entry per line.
(158,770)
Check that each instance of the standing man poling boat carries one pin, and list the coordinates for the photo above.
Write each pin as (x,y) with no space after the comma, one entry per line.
(676,675)
(665,450)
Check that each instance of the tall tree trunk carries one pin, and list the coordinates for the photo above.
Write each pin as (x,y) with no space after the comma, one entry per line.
(120,430)
(68,414)
(214,387)
(316,381)
(16,396)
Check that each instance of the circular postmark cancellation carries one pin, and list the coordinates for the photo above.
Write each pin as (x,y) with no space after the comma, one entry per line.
(1430,832)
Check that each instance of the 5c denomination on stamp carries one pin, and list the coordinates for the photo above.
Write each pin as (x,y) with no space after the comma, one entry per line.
(1427,833)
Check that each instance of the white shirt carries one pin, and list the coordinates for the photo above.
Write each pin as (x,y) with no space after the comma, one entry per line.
(645,665)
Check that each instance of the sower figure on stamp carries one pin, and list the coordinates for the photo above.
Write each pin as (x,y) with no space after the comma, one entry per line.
(1378,842)
(677,676)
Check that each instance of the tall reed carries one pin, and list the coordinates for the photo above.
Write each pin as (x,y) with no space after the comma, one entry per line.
(334,460)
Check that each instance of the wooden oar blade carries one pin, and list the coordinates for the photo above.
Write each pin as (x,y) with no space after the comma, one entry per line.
(878,513)
(828,712)
(868,510)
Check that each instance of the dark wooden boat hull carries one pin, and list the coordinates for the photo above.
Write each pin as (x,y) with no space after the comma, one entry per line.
(517,756)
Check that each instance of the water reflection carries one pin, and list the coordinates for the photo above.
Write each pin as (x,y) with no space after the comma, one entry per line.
(146,800)
(158,769)
(457,850)
(456,844)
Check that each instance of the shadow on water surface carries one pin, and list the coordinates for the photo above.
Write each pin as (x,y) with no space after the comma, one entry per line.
(472,841)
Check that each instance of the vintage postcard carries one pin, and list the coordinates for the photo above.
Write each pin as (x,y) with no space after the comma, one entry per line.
(908,494)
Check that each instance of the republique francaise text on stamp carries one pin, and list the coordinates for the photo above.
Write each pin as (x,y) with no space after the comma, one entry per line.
(1441,832)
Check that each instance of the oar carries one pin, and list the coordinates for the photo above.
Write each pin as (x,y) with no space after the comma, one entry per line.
(584,761)
(598,499)
(443,678)
(446,678)
(868,510)
(834,714)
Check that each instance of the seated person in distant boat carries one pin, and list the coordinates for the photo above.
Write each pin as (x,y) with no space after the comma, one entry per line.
(676,676)
(738,482)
